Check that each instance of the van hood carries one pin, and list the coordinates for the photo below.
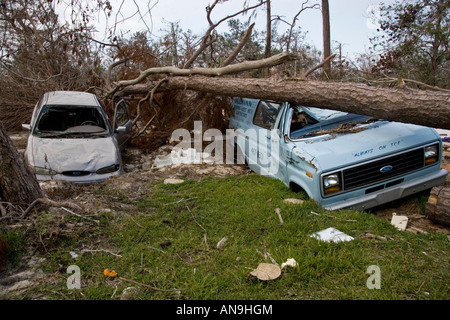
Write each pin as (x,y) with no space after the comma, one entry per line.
(83,154)
(370,141)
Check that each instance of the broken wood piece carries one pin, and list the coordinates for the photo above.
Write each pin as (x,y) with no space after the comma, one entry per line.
(416,230)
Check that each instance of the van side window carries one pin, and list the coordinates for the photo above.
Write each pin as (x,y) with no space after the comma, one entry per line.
(266,114)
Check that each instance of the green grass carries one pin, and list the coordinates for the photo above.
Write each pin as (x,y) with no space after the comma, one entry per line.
(242,209)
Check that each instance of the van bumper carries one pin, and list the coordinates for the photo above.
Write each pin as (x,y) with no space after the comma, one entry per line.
(386,195)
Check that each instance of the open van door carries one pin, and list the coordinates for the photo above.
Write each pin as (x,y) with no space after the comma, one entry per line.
(122,124)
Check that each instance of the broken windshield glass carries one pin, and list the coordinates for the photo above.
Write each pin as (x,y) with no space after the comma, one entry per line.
(58,121)
(309,122)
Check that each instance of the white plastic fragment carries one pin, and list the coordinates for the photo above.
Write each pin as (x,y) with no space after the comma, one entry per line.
(331,235)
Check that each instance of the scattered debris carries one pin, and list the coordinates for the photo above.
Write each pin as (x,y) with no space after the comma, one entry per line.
(266,256)
(399,221)
(331,235)
(129,293)
(73,254)
(173,181)
(369,235)
(289,263)
(221,242)
(165,244)
(293,201)
(416,230)
(110,274)
(278,211)
(266,271)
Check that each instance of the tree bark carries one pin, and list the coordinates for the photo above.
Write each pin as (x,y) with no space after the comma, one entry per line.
(268,51)
(18,185)
(426,108)
(326,37)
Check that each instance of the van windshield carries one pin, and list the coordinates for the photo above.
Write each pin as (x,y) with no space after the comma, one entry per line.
(311,122)
(62,120)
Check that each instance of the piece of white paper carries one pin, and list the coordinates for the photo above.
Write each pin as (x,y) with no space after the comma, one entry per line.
(331,235)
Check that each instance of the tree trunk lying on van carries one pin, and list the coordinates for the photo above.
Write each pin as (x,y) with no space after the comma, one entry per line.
(428,108)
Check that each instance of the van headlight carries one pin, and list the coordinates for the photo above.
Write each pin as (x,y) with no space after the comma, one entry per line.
(331,183)
(43,171)
(109,169)
(431,154)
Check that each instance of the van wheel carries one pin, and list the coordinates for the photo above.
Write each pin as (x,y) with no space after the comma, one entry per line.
(296,188)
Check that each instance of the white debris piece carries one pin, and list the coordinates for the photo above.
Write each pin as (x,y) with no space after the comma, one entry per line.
(173,181)
(399,221)
(331,235)
(182,156)
(221,242)
(289,263)
(293,201)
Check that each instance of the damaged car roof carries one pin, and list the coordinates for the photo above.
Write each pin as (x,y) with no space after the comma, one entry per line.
(69,98)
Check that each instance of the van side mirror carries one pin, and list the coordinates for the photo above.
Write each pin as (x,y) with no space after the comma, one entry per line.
(26,126)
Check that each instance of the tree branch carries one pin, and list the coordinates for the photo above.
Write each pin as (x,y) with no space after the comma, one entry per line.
(239,47)
(212,26)
(210,72)
(320,65)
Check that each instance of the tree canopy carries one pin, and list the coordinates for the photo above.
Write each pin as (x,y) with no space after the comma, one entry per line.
(414,41)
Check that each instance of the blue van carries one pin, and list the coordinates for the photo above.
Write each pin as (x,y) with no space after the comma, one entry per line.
(341,160)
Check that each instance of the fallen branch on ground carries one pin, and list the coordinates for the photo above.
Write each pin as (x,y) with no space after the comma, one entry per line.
(45,201)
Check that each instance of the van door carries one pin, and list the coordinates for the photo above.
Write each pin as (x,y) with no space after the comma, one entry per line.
(123,126)
(264,142)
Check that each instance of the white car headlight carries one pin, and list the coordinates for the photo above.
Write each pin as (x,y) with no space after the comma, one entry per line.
(331,183)
(431,154)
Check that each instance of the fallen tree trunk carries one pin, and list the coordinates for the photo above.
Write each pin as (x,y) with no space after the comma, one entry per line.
(426,108)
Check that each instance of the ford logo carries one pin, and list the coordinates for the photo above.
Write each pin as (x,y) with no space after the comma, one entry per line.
(386,169)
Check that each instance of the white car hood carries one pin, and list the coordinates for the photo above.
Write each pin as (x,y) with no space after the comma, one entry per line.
(72,154)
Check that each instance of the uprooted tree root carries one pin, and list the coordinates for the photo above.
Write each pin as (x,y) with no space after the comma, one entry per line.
(179,109)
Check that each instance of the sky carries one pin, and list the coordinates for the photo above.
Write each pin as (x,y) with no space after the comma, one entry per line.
(351,24)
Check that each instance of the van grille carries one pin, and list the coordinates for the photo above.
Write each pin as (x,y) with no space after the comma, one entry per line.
(370,173)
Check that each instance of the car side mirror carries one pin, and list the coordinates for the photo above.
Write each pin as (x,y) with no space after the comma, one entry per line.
(26,126)
(121,129)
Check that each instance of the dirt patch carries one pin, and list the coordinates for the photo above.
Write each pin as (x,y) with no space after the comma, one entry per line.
(411,208)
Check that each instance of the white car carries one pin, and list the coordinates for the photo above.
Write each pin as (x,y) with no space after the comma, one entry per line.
(72,139)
